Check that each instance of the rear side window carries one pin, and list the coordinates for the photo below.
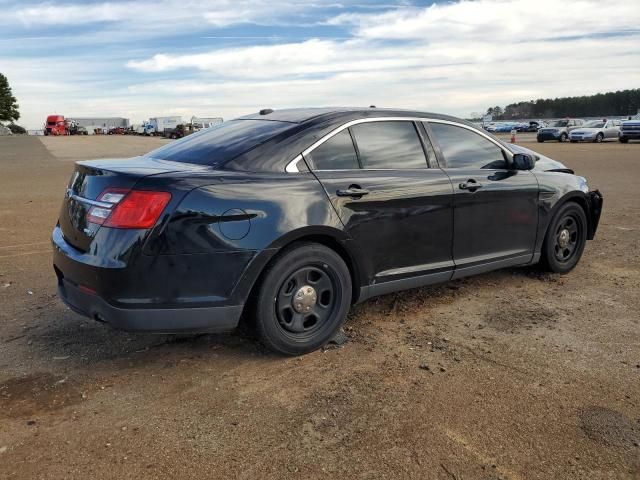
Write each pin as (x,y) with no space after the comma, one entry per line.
(389,145)
(337,153)
(463,148)
(216,145)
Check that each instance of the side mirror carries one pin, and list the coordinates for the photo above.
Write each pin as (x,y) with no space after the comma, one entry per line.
(523,161)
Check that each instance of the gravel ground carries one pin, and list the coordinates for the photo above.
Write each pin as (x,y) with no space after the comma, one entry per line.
(515,374)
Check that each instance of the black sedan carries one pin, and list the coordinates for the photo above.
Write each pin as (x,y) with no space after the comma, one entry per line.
(287,218)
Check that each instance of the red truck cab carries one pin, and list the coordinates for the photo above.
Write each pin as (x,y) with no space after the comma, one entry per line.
(55,125)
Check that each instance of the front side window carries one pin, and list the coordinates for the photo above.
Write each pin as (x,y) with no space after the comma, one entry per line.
(337,153)
(389,145)
(463,148)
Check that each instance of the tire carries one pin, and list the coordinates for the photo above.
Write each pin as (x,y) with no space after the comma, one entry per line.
(561,251)
(284,325)
(623,140)
(563,137)
(573,141)
(540,140)
(599,138)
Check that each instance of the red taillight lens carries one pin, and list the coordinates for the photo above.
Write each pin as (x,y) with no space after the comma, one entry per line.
(138,209)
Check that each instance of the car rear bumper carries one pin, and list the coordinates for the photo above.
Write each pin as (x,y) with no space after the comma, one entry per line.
(162,294)
(156,320)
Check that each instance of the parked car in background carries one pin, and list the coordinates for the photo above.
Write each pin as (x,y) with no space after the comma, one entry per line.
(596,131)
(559,129)
(630,130)
(290,217)
(179,131)
(535,125)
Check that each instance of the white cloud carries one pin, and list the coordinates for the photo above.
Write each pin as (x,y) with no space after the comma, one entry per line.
(453,57)
(158,15)
(498,20)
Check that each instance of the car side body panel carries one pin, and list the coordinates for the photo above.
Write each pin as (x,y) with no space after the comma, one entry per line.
(254,215)
(223,226)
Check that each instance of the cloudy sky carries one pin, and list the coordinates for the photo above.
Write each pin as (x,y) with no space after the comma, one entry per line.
(141,58)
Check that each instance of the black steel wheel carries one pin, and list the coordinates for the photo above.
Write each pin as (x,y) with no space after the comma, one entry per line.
(306,299)
(565,239)
(303,299)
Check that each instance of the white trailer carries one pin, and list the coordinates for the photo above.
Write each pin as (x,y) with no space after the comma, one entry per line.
(198,123)
(160,124)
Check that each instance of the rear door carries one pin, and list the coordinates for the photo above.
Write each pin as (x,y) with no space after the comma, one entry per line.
(396,208)
(495,209)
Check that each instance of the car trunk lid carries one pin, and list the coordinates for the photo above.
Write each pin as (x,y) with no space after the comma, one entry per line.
(90,179)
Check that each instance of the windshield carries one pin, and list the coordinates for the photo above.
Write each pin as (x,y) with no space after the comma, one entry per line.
(594,124)
(559,123)
(221,143)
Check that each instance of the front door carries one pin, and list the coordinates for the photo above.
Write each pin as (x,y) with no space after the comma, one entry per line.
(396,208)
(611,129)
(495,209)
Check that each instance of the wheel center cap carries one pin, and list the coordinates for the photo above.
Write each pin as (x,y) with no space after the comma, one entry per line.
(304,299)
(563,239)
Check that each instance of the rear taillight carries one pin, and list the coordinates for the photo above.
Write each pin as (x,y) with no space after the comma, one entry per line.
(128,209)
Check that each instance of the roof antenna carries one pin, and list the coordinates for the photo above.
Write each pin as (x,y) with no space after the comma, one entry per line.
(266,111)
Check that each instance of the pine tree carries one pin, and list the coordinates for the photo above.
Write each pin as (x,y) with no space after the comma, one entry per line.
(8,104)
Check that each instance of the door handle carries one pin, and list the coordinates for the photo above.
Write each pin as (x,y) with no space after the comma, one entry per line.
(470,185)
(353,191)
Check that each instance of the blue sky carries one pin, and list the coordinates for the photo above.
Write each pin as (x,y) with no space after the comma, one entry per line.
(144,58)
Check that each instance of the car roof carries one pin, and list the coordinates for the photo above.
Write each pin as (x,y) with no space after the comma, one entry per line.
(302,115)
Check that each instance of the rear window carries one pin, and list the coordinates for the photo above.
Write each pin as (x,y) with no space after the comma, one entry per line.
(220,143)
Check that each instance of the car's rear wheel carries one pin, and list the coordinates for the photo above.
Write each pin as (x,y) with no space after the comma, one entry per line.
(599,138)
(565,240)
(563,137)
(540,140)
(623,140)
(303,299)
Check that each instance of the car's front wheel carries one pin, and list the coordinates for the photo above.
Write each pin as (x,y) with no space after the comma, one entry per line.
(565,240)
(599,138)
(563,137)
(303,299)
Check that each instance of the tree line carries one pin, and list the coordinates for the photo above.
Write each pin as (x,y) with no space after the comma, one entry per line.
(9,106)
(620,103)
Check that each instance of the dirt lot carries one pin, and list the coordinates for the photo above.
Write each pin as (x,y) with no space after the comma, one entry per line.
(514,374)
